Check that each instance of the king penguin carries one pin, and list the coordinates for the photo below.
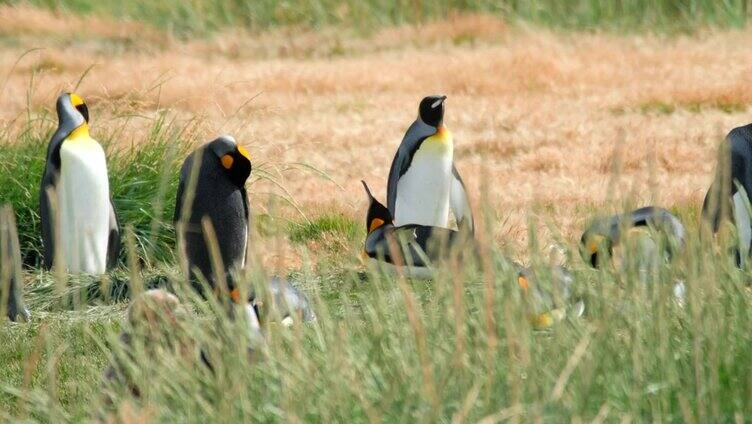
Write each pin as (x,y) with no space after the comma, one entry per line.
(612,234)
(728,196)
(10,268)
(413,250)
(79,224)
(423,182)
(219,197)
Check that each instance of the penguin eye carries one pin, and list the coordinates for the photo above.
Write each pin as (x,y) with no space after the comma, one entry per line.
(227,161)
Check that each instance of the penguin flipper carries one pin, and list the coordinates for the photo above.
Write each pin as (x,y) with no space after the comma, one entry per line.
(47,218)
(10,258)
(737,150)
(459,202)
(113,241)
(414,136)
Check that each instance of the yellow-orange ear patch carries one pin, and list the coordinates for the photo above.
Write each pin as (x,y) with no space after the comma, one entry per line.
(522,282)
(227,161)
(235,295)
(244,152)
(376,223)
(76,100)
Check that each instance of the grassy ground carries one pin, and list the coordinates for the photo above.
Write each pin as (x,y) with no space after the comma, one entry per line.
(550,128)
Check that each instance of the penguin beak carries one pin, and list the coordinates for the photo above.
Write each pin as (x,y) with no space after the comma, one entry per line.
(438,102)
(78,103)
(244,152)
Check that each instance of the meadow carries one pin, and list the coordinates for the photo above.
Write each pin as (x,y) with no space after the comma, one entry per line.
(560,112)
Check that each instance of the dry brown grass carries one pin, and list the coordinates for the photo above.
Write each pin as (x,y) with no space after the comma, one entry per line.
(543,115)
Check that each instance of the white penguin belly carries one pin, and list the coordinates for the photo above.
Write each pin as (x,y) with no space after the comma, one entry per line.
(743,226)
(423,191)
(84,204)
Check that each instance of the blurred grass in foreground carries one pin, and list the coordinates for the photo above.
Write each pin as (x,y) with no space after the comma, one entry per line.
(206,16)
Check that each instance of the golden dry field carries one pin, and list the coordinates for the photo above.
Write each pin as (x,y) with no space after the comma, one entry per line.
(546,118)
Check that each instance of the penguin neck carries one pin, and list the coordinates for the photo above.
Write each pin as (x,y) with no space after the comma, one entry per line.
(81,133)
(440,142)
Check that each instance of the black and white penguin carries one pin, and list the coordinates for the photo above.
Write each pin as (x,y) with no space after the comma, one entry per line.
(424,184)
(551,295)
(219,198)
(610,234)
(412,250)
(10,268)
(79,224)
(728,196)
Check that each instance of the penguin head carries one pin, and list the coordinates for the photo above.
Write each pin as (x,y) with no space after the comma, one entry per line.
(234,159)
(72,110)
(431,110)
(378,215)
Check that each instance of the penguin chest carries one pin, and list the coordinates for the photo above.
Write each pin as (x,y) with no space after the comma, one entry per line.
(84,206)
(423,191)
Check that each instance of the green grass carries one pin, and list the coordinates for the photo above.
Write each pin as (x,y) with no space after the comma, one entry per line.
(333,225)
(206,16)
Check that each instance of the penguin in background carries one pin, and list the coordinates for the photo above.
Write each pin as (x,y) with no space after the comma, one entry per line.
(611,234)
(551,294)
(411,249)
(728,195)
(78,218)
(219,197)
(10,268)
(424,185)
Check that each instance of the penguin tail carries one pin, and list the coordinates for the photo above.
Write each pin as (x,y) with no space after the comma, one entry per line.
(368,190)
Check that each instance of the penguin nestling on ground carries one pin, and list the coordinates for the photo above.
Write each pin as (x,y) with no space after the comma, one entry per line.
(10,268)
(551,295)
(414,249)
(609,234)
(423,182)
(78,219)
(285,301)
(728,196)
(219,198)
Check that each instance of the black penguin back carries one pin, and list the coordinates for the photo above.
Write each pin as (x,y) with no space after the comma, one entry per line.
(225,205)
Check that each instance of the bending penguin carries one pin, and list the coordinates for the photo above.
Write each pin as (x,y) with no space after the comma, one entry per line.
(411,249)
(551,295)
(728,196)
(606,235)
(10,268)
(79,224)
(220,199)
(423,182)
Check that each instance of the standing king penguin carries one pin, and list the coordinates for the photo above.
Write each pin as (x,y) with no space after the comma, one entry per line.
(728,196)
(423,182)
(79,223)
(219,197)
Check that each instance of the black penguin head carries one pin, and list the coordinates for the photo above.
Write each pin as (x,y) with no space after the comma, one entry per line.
(378,215)
(234,159)
(431,110)
(72,110)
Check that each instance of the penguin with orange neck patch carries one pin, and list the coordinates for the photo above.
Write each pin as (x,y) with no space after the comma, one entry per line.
(79,224)
(412,250)
(424,184)
(218,199)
